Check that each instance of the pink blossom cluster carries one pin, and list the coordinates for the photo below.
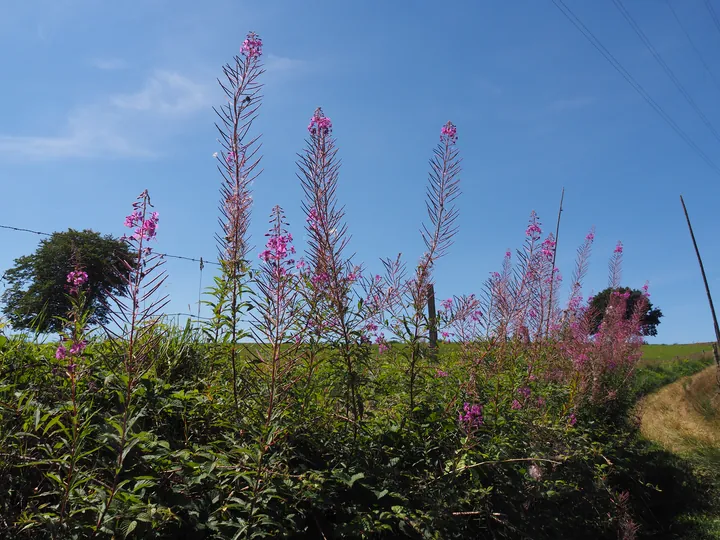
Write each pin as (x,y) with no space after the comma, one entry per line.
(252,46)
(533,231)
(76,279)
(548,248)
(312,219)
(448,133)
(471,415)
(76,349)
(319,124)
(143,229)
(278,248)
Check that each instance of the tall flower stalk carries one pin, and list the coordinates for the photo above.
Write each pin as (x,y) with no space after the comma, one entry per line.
(70,351)
(277,328)
(136,335)
(330,272)
(409,297)
(237,163)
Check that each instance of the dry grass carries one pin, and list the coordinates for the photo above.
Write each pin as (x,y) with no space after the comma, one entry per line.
(685,415)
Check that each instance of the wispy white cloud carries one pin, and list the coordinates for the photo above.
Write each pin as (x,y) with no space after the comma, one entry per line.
(109,64)
(123,125)
(571,104)
(165,93)
(276,65)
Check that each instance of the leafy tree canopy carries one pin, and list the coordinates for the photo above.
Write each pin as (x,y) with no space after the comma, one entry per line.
(37,284)
(599,304)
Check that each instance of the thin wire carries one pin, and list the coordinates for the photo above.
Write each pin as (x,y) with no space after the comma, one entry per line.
(692,43)
(668,71)
(20,229)
(595,42)
(713,15)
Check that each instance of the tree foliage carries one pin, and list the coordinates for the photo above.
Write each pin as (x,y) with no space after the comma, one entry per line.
(37,284)
(599,304)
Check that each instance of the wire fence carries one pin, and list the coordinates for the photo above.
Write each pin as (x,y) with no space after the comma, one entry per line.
(170,317)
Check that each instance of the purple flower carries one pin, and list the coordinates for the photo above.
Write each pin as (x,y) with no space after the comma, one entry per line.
(441,373)
(448,133)
(525,391)
(516,405)
(471,415)
(78,348)
(447,304)
(573,419)
(319,124)
(61,352)
(252,46)
(382,346)
(533,230)
(618,248)
(548,248)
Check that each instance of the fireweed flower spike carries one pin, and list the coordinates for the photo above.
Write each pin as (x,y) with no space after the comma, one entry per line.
(135,333)
(330,291)
(238,165)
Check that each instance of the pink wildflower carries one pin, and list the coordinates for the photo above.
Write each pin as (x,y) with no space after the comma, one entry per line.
(533,230)
(78,348)
(448,133)
(516,405)
(441,373)
(252,46)
(319,124)
(618,248)
(61,352)
(472,415)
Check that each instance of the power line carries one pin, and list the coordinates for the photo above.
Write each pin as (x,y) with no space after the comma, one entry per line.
(668,71)
(595,42)
(201,260)
(692,43)
(713,15)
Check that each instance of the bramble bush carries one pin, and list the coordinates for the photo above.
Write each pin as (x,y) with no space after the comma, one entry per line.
(313,404)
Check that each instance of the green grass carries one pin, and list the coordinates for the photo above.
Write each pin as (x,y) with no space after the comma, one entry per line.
(664,364)
(684,418)
(653,354)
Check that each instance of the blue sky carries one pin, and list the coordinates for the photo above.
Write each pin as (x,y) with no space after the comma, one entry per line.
(101,100)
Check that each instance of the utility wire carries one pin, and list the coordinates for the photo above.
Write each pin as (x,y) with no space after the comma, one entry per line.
(713,15)
(201,260)
(692,43)
(668,71)
(585,31)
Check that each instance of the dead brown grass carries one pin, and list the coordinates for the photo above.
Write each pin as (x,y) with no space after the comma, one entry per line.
(684,415)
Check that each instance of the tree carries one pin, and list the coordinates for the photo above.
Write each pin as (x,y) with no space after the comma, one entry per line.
(599,304)
(37,284)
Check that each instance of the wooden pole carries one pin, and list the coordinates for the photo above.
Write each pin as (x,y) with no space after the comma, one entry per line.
(552,273)
(432,315)
(716,353)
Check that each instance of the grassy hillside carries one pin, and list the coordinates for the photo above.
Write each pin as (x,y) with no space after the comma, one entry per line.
(684,418)
(664,364)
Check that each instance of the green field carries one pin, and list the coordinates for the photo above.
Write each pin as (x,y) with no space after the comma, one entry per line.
(664,364)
